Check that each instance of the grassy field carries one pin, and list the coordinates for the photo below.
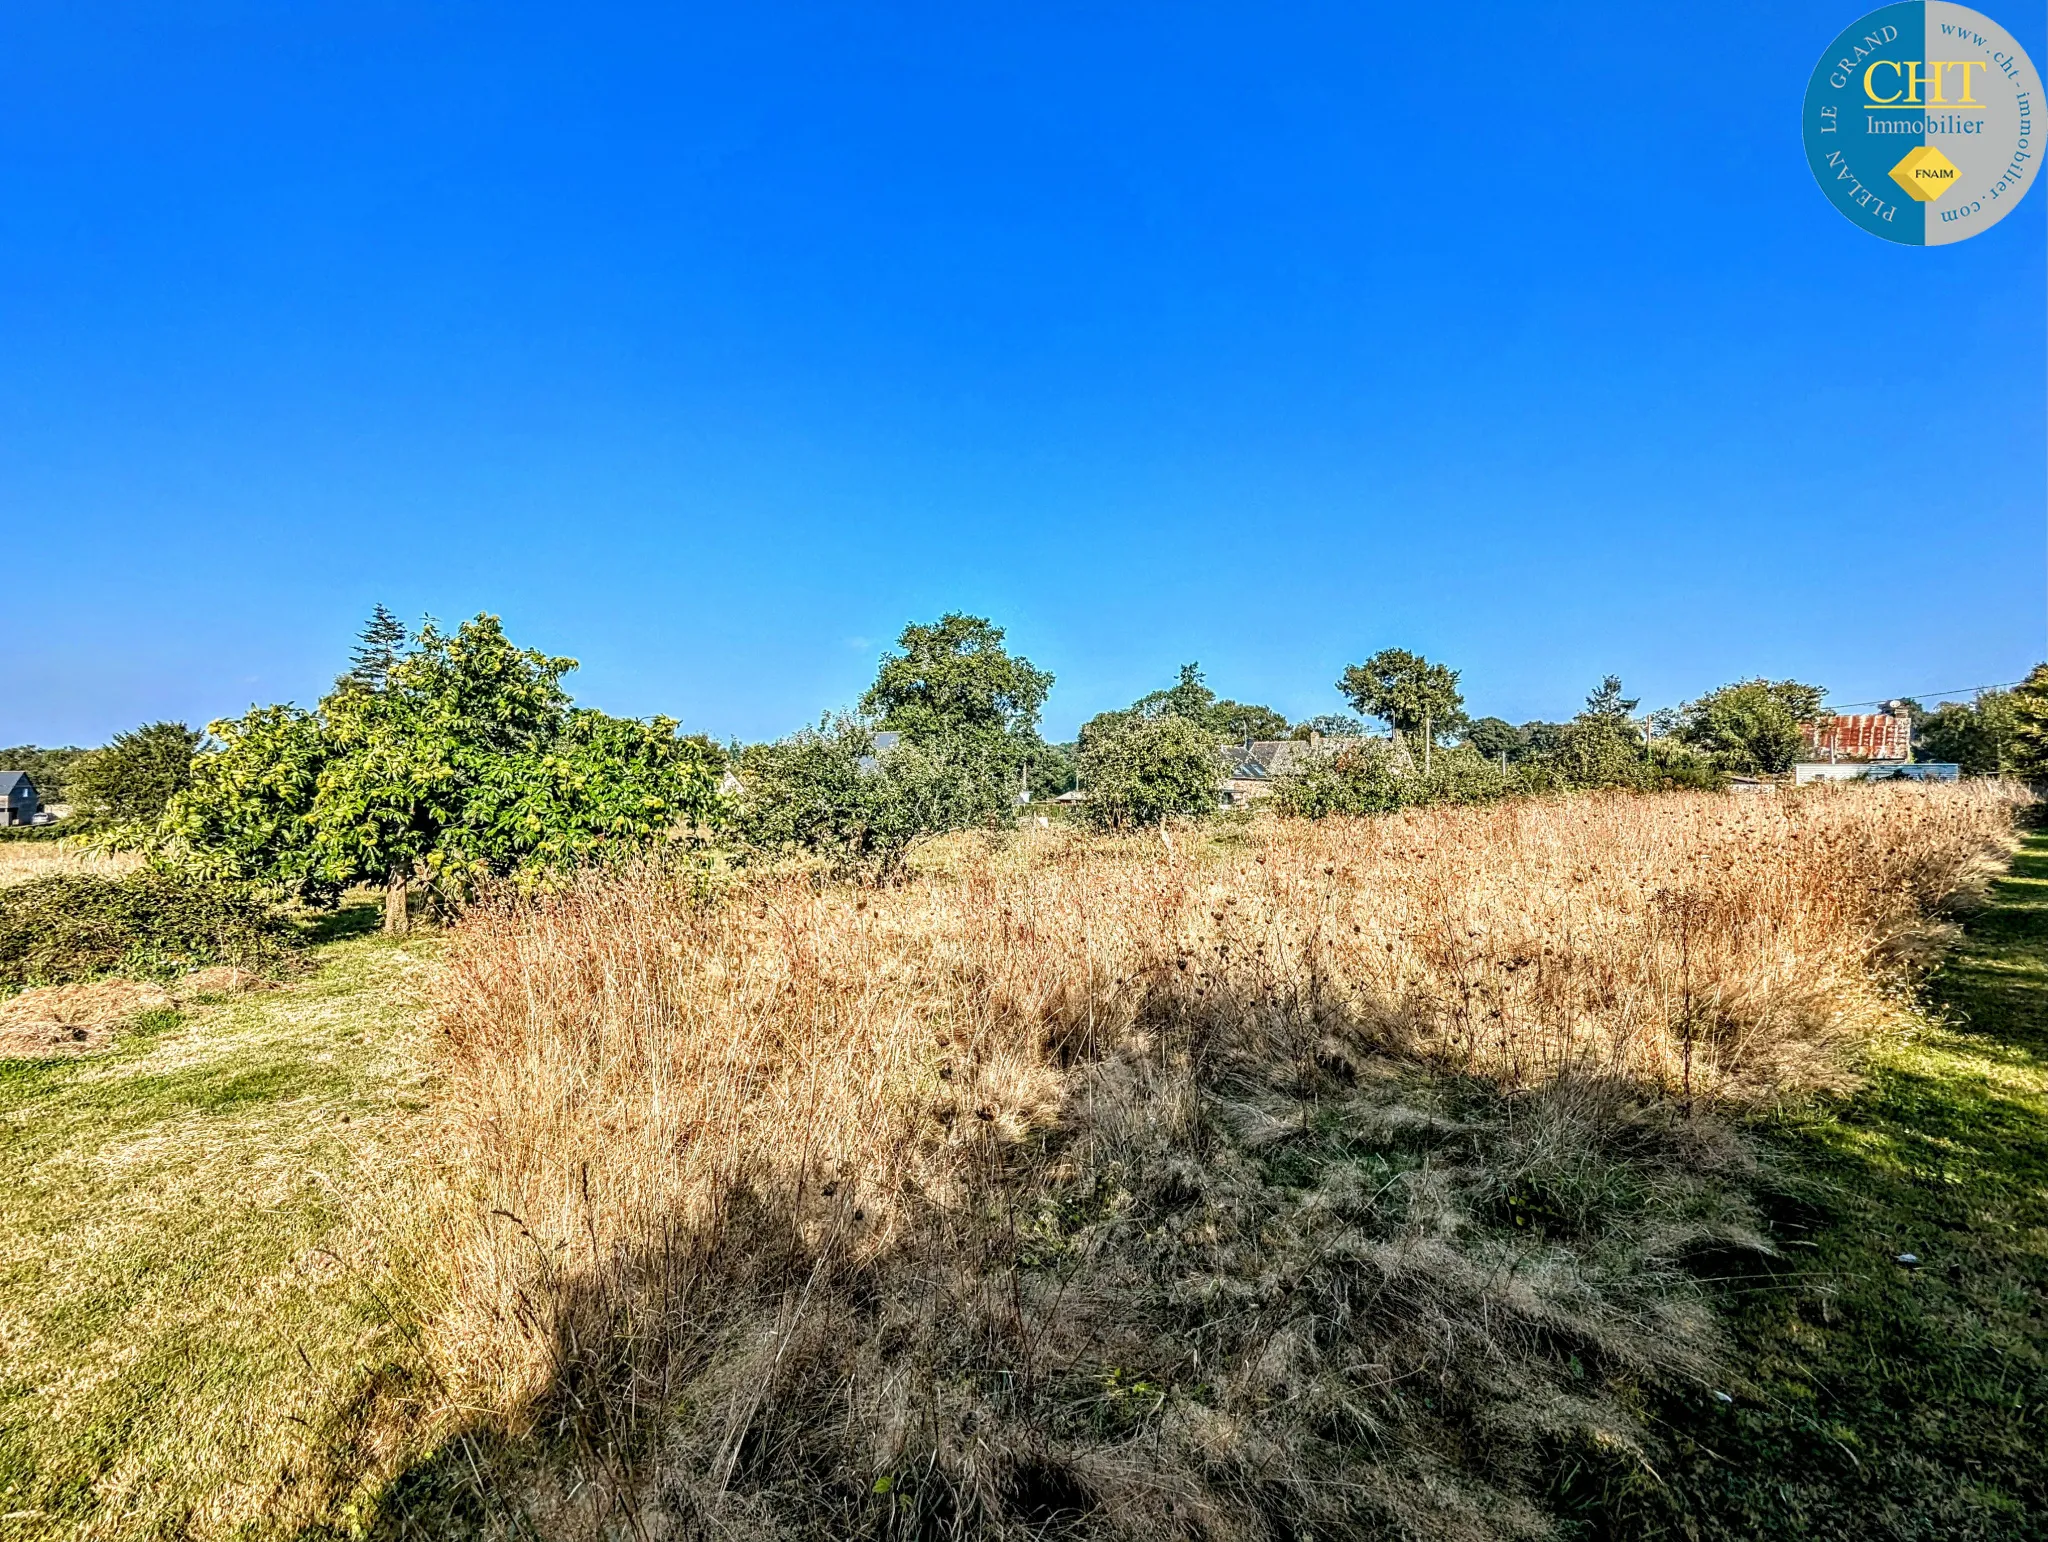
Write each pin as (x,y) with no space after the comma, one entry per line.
(23,861)
(1884,1399)
(195,1275)
(1391,1157)
(209,1327)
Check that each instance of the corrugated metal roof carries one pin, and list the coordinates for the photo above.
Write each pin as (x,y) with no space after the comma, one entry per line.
(1861,736)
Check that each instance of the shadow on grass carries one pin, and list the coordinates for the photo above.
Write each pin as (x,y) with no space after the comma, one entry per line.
(1895,1358)
(456,1489)
(358,918)
(1871,1399)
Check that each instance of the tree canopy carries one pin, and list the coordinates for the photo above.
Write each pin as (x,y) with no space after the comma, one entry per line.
(955,677)
(1191,700)
(466,762)
(1494,737)
(1980,737)
(133,779)
(1414,697)
(379,646)
(827,792)
(1608,704)
(1752,725)
(1138,770)
(1331,725)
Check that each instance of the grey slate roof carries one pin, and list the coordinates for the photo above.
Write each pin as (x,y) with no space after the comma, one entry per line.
(9,780)
(1263,759)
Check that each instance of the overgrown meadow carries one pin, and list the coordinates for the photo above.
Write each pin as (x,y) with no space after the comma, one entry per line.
(1317,1179)
(790,1141)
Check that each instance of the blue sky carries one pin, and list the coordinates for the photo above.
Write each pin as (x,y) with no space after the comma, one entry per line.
(710,346)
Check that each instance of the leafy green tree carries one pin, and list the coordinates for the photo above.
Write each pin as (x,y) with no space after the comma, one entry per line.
(1363,778)
(1241,722)
(1191,698)
(955,691)
(467,762)
(826,792)
(1980,737)
(1752,725)
(393,799)
(1674,765)
(1494,737)
(600,784)
(1187,698)
(249,811)
(1050,770)
(1605,746)
(1460,774)
(955,678)
(1331,725)
(1599,749)
(379,647)
(1373,777)
(1137,770)
(2029,707)
(1417,699)
(133,779)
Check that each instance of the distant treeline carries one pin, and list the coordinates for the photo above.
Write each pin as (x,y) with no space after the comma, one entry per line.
(442,760)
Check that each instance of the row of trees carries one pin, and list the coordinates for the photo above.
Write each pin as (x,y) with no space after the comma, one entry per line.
(2001,733)
(442,759)
(125,783)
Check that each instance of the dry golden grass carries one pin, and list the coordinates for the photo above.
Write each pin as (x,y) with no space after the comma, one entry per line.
(24,861)
(1349,1177)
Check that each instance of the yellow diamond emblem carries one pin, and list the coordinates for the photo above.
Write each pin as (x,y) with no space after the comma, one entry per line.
(1925,173)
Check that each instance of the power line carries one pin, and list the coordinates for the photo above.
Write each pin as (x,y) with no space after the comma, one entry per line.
(1949,691)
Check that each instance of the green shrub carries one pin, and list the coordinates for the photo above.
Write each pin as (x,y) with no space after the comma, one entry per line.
(1366,778)
(829,792)
(157,922)
(54,832)
(1136,771)
(1462,774)
(1583,755)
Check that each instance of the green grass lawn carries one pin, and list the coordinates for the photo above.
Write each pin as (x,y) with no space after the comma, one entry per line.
(1880,1400)
(194,1289)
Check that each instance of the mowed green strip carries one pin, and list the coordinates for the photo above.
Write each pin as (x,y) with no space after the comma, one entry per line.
(1884,1399)
(194,1272)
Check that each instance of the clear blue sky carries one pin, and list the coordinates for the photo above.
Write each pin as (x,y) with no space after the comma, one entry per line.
(710,347)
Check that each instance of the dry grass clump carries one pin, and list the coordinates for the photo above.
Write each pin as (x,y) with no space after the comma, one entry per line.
(26,861)
(1342,1181)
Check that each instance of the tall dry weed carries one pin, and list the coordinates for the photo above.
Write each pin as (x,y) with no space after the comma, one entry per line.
(1337,1179)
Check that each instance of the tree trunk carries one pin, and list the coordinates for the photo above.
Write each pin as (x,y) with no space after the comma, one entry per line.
(396,920)
(1428,737)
